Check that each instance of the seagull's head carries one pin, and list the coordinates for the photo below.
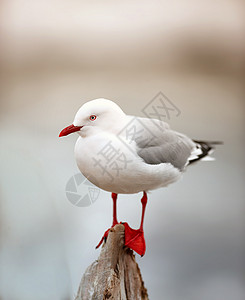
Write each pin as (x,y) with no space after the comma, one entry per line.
(95,116)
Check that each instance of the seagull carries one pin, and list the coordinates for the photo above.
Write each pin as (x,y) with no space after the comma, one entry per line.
(125,154)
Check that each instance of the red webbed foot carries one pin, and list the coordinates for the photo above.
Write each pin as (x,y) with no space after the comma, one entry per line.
(134,239)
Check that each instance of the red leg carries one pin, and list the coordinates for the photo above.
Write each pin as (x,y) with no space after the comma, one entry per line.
(144,202)
(114,198)
(134,239)
(114,221)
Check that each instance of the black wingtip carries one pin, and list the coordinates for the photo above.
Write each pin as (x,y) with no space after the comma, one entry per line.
(206,147)
(210,143)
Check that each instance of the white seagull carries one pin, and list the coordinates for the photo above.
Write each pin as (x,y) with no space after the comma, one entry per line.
(125,154)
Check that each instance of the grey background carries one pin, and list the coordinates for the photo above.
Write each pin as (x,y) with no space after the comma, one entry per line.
(56,55)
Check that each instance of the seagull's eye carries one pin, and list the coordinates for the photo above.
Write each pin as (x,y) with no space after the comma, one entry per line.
(92,117)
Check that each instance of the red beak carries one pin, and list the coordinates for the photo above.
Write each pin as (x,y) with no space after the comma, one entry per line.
(69,129)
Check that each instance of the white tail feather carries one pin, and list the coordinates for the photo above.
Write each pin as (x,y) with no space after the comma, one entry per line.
(207,158)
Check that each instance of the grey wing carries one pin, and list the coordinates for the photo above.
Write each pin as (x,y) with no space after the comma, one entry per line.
(156,143)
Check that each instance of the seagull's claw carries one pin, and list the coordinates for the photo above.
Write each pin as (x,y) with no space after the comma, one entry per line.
(104,237)
(134,239)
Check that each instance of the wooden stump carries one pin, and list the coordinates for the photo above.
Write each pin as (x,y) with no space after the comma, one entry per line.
(115,275)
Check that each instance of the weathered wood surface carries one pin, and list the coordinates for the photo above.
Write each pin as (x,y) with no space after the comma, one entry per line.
(115,275)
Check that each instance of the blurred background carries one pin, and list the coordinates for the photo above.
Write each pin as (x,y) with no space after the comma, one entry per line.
(56,55)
